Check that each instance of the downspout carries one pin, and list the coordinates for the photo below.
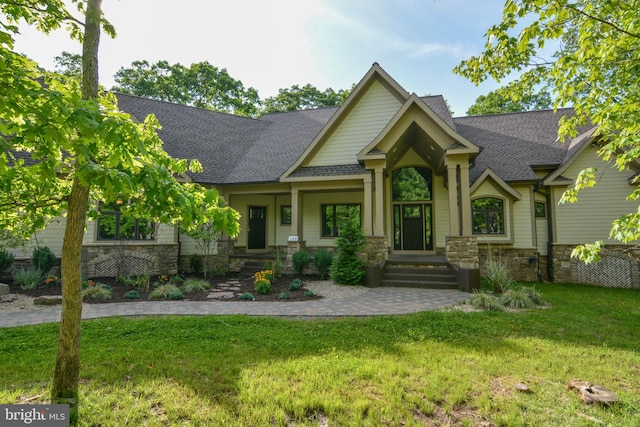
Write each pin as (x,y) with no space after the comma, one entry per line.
(547,195)
(549,237)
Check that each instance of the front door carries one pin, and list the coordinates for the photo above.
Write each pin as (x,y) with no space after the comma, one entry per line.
(412,227)
(257,228)
(412,189)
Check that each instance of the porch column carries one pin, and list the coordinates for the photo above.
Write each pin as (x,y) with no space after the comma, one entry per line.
(452,179)
(296,213)
(465,199)
(378,229)
(367,217)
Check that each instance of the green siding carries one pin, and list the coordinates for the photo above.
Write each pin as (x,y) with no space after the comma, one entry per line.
(372,112)
(589,219)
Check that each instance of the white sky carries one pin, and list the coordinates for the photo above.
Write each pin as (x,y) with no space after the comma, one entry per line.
(278,43)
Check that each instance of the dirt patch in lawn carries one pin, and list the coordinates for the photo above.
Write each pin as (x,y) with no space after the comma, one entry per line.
(223,288)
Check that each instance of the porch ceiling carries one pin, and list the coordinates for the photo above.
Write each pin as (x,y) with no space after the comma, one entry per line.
(414,137)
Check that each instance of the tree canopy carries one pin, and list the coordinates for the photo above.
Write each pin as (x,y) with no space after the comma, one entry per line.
(496,101)
(199,85)
(594,67)
(302,98)
(66,146)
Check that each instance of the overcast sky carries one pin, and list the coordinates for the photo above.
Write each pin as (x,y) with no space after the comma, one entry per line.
(273,44)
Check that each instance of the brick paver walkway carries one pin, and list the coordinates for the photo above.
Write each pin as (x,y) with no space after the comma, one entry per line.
(373,302)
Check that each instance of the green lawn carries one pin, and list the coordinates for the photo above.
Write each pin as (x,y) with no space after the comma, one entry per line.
(433,368)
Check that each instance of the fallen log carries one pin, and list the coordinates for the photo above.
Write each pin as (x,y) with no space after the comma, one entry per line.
(591,393)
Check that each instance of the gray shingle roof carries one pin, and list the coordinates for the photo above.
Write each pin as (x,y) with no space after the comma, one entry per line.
(279,145)
(336,170)
(439,106)
(512,143)
(235,149)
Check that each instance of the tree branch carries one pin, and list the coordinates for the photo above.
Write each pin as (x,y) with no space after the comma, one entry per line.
(602,21)
(34,5)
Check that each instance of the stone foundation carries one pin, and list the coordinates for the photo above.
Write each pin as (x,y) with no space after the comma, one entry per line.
(129,259)
(521,264)
(619,267)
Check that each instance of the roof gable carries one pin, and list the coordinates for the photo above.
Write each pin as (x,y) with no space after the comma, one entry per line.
(489,175)
(415,125)
(576,147)
(372,103)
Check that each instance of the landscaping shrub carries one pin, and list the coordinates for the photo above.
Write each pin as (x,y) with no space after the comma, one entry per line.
(322,260)
(277,265)
(97,292)
(262,281)
(300,260)
(166,291)
(6,261)
(534,295)
(142,282)
(247,296)
(516,298)
(295,285)
(51,280)
(43,259)
(284,295)
(27,279)
(485,301)
(497,276)
(126,280)
(195,285)
(347,267)
(309,294)
(133,294)
(262,286)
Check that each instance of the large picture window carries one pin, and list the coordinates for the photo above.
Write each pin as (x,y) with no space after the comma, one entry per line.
(334,217)
(488,216)
(115,225)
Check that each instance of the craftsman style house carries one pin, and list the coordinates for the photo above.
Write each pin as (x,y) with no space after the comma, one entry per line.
(422,184)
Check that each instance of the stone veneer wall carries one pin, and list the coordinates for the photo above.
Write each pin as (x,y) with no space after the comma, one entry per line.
(129,259)
(219,263)
(619,267)
(521,264)
(462,251)
(376,249)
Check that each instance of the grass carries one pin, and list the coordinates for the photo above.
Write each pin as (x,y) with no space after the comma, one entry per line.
(431,368)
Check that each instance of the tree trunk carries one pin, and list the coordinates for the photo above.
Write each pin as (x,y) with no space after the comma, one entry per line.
(67,372)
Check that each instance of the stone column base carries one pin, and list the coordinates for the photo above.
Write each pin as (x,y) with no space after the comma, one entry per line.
(462,251)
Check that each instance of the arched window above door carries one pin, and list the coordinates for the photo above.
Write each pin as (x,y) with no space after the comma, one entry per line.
(412,184)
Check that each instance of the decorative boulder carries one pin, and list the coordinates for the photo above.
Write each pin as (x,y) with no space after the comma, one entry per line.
(4,289)
(48,300)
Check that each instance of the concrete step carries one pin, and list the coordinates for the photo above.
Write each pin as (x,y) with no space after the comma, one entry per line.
(435,275)
(443,277)
(418,284)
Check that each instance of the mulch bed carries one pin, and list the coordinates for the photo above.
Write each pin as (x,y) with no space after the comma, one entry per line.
(279,286)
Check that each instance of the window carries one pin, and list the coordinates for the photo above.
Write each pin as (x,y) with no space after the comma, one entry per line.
(285,215)
(540,210)
(411,184)
(115,225)
(488,216)
(333,216)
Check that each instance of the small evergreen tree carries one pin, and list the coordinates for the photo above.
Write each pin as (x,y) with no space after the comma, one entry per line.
(347,267)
